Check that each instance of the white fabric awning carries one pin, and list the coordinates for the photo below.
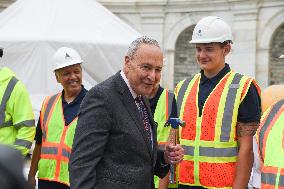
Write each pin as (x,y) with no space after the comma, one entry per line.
(32,30)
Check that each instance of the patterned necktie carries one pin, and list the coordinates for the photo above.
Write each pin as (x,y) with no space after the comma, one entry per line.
(143,111)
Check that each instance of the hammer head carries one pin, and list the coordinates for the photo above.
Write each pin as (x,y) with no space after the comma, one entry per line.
(174,123)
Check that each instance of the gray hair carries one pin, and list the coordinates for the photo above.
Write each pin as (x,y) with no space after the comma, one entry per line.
(134,46)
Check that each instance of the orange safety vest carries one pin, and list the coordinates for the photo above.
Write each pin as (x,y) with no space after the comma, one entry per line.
(57,140)
(270,138)
(209,141)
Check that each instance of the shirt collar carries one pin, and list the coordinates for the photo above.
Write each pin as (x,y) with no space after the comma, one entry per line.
(78,97)
(134,95)
(215,80)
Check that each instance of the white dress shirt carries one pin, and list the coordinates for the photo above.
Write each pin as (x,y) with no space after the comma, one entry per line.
(255,178)
(134,95)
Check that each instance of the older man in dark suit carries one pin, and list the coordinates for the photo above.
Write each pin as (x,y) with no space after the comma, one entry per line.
(115,145)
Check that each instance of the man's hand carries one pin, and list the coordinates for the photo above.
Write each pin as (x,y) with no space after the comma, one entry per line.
(173,153)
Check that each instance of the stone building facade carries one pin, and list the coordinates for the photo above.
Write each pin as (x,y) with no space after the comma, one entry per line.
(258,32)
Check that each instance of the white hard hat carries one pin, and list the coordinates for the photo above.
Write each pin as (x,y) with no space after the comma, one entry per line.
(281,56)
(64,57)
(211,29)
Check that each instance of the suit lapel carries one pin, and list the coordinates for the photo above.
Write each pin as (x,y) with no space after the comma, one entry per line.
(131,107)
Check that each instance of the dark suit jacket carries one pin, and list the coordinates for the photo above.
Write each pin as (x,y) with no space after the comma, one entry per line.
(111,149)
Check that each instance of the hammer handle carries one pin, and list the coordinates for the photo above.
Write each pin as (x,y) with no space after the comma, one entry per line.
(173,139)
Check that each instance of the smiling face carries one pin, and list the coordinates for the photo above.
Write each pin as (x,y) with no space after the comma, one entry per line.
(70,78)
(144,69)
(211,57)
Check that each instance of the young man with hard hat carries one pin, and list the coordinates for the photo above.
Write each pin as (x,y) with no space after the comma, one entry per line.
(270,138)
(17,125)
(221,109)
(57,123)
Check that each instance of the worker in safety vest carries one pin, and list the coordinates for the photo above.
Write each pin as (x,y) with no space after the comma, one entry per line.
(17,125)
(57,122)
(221,109)
(270,138)
(163,107)
(269,96)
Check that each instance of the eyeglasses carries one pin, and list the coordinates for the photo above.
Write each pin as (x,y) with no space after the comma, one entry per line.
(147,67)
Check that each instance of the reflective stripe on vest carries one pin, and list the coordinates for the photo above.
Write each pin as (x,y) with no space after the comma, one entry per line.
(281,181)
(272,179)
(57,141)
(188,150)
(271,137)
(218,152)
(46,113)
(209,140)
(49,150)
(54,151)
(268,178)
(170,97)
(24,143)
(212,152)
(229,106)
(27,123)
(5,99)
(181,94)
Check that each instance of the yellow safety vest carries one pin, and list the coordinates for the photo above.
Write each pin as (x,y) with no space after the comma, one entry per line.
(270,138)
(162,113)
(17,125)
(57,140)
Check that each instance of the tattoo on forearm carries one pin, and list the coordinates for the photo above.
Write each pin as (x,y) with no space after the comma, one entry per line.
(246,129)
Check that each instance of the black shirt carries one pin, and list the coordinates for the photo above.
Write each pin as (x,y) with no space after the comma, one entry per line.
(250,107)
(153,103)
(70,111)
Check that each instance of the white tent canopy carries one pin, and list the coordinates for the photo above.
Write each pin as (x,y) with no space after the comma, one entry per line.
(32,30)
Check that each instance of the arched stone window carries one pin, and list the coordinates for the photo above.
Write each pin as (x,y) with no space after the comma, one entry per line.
(276,65)
(185,63)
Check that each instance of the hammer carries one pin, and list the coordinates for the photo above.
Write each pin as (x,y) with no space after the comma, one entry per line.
(173,139)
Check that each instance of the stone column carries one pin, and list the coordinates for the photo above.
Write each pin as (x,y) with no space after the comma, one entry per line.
(243,57)
(153,25)
(167,80)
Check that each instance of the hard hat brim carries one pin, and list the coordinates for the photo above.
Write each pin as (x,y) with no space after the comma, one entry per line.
(200,41)
(195,41)
(66,65)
